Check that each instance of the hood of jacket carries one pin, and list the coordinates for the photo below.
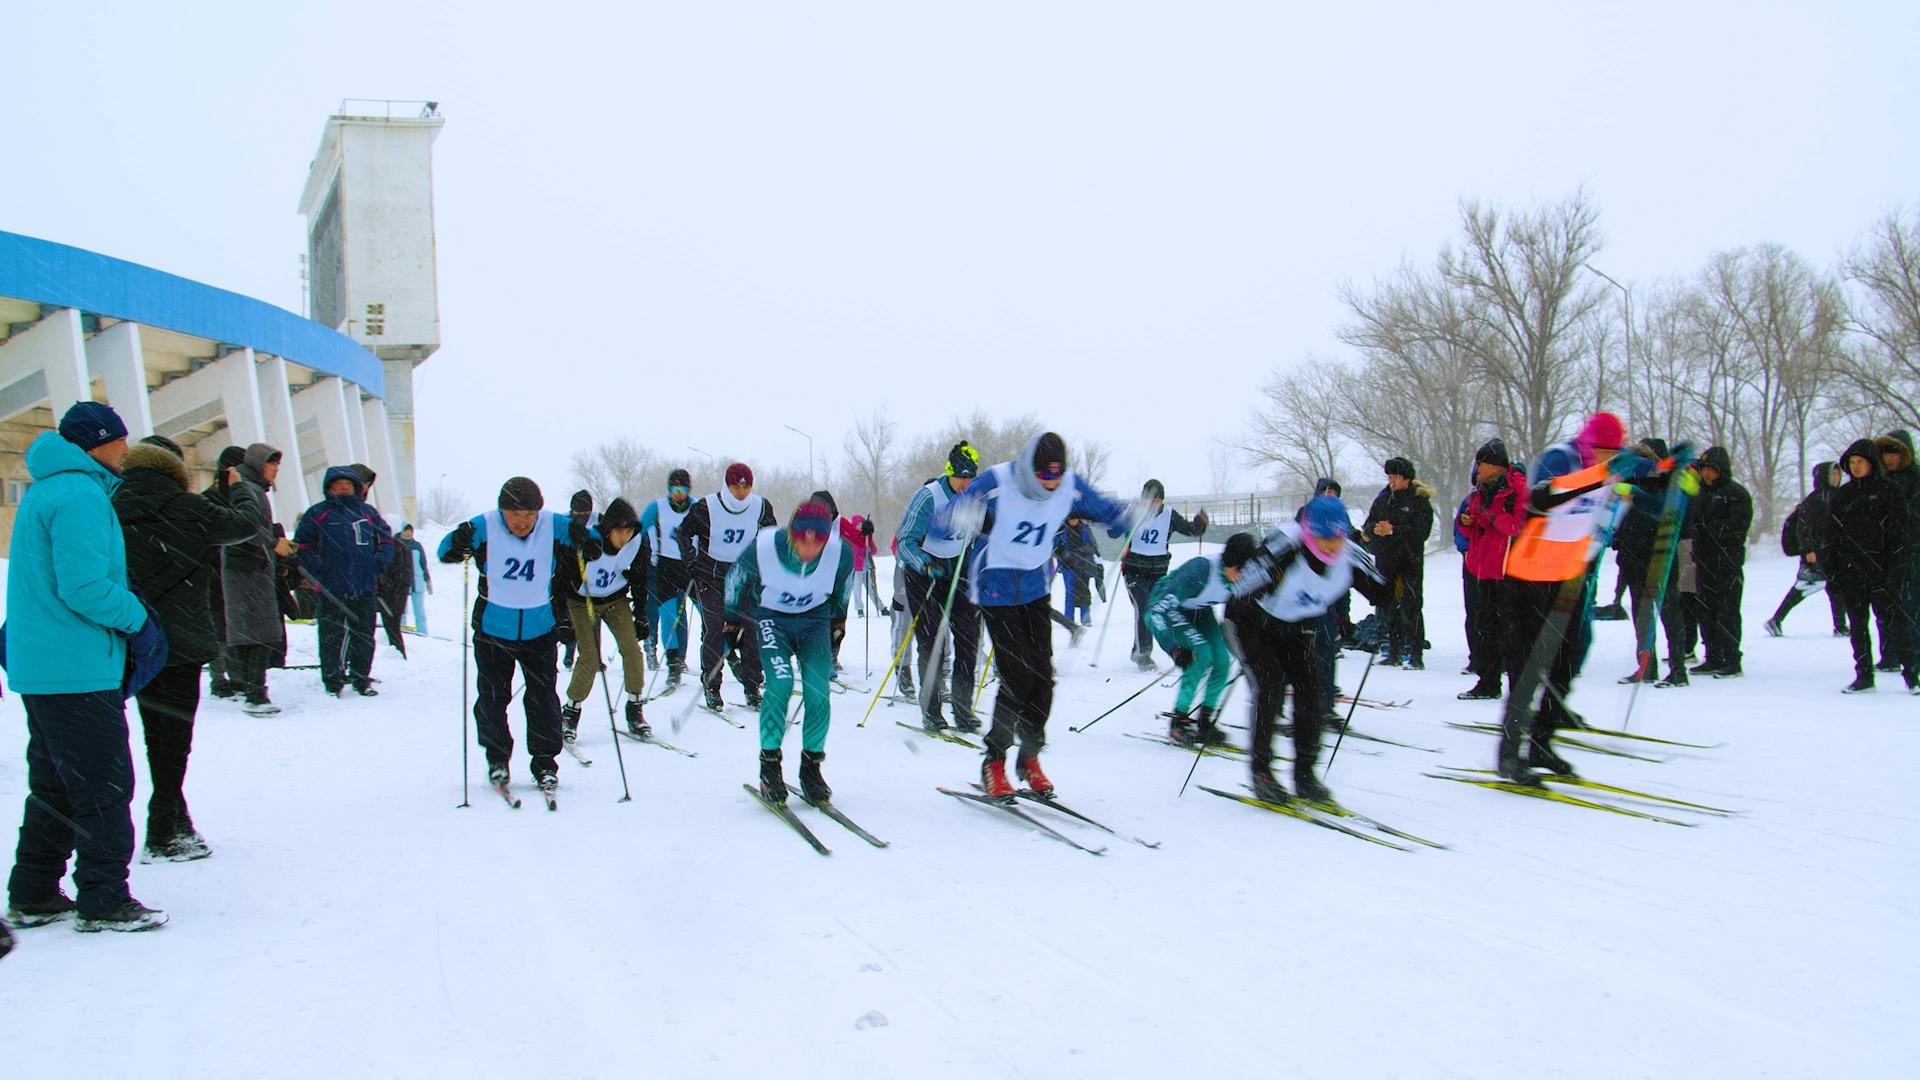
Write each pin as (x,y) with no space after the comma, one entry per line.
(50,455)
(149,483)
(1022,470)
(1892,443)
(1821,473)
(253,465)
(349,473)
(145,457)
(1861,448)
(1717,457)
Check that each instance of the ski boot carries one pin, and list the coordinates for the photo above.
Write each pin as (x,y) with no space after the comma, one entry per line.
(1145,664)
(59,907)
(570,721)
(129,917)
(637,721)
(1509,766)
(773,786)
(653,657)
(1541,756)
(258,705)
(812,784)
(1075,633)
(1862,684)
(499,775)
(965,721)
(1333,722)
(1773,626)
(676,669)
(1209,732)
(1181,728)
(1415,662)
(753,697)
(932,723)
(1483,690)
(713,699)
(549,783)
(993,779)
(1676,676)
(1268,790)
(1308,788)
(1028,769)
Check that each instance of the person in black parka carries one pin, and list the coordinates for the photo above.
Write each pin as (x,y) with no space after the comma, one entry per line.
(1396,531)
(1804,534)
(1720,557)
(1869,536)
(169,530)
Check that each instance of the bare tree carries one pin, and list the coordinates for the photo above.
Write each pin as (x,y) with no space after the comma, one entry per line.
(1525,300)
(442,505)
(1882,366)
(622,467)
(1301,431)
(1219,467)
(871,449)
(1092,458)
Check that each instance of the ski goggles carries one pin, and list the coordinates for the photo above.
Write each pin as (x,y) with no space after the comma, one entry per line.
(678,489)
(1052,470)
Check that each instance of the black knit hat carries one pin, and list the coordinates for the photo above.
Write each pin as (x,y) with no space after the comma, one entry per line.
(1240,548)
(1399,466)
(581,503)
(1049,457)
(679,478)
(521,493)
(963,461)
(618,515)
(1491,452)
(166,444)
(1153,489)
(1327,485)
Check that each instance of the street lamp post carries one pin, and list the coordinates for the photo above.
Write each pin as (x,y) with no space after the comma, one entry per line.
(1626,343)
(809,439)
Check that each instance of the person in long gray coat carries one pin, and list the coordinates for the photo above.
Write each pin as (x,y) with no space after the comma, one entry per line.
(256,635)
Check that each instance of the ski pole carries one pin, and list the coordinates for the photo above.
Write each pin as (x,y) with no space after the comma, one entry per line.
(1107,617)
(465,620)
(1201,750)
(1157,676)
(905,641)
(929,690)
(1371,654)
(986,672)
(626,792)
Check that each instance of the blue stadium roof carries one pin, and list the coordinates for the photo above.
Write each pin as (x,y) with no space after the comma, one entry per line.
(49,273)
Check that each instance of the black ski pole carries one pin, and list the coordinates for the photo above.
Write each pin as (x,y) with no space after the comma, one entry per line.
(465,653)
(1157,676)
(1371,654)
(1201,750)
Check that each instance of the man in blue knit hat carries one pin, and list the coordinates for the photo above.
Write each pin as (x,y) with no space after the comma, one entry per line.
(71,623)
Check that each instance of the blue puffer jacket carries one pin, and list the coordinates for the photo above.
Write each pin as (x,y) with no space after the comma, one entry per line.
(344,543)
(67,598)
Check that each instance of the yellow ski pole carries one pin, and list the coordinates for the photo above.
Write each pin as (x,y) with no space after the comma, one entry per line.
(915,621)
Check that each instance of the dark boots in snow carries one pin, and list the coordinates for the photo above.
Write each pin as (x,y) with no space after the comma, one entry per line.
(773,786)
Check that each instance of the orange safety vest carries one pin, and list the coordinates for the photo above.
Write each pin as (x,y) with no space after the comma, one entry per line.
(1556,546)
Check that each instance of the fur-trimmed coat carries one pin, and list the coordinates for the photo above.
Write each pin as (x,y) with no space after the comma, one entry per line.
(169,530)
(1410,512)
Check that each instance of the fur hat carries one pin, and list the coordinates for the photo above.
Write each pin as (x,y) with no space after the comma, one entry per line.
(1399,466)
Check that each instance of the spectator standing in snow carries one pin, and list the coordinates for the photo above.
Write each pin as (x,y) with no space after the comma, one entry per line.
(1079,564)
(345,547)
(1869,535)
(1896,456)
(1397,528)
(1804,535)
(72,623)
(1720,556)
(422,577)
(168,531)
(1496,508)
(256,632)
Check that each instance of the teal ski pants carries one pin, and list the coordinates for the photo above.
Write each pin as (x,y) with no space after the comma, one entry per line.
(1198,630)
(784,641)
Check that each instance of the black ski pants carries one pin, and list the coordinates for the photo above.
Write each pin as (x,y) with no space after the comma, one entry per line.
(741,651)
(346,639)
(538,659)
(1884,606)
(167,707)
(1140,585)
(1279,654)
(1023,651)
(247,670)
(79,801)
(1486,627)
(927,599)
(1720,588)
(1835,602)
(1529,607)
(1406,623)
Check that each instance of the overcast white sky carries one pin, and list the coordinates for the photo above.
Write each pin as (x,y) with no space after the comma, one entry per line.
(697,223)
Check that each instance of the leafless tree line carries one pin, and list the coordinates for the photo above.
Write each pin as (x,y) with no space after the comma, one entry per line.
(1514,333)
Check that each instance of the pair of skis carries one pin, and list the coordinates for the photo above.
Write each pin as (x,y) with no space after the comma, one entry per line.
(1328,815)
(1541,790)
(506,792)
(947,736)
(785,813)
(1008,806)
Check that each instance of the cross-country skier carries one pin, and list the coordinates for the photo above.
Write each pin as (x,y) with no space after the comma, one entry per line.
(1298,571)
(672,575)
(792,584)
(1494,512)
(936,566)
(609,588)
(713,534)
(517,548)
(1013,511)
(1147,557)
(1181,615)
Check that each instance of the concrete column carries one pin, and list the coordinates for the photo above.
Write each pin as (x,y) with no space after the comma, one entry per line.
(240,398)
(325,402)
(373,417)
(46,362)
(290,495)
(356,422)
(114,357)
(66,363)
(399,409)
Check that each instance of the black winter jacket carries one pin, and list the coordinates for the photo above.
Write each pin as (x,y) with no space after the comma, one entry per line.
(1410,512)
(1810,517)
(1726,513)
(169,531)
(1868,530)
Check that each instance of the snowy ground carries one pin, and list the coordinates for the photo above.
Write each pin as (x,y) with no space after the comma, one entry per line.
(354,923)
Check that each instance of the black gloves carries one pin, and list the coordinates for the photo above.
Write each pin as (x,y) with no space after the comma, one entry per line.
(1182,657)
(583,541)
(866,528)
(460,545)
(1200,521)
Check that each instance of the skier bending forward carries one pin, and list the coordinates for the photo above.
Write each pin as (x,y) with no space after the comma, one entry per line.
(793,583)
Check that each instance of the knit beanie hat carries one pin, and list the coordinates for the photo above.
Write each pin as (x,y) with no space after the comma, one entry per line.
(1153,489)
(1240,548)
(581,503)
(1327,517)
(963,461)
(1050,457)
(679,478)
(739,474)
(521,493)
(1492,452)
(1603,431)
(811,517)
(90,425)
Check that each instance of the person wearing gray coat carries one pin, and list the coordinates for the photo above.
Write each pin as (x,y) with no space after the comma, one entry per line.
(256,635)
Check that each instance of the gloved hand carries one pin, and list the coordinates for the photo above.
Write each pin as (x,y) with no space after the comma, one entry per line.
(967,517)
(584,541)
(939,568)
(1182,657)
(146,654)
(866,527)
(1200,520)
(640,630)
(1689,482)
(460,546)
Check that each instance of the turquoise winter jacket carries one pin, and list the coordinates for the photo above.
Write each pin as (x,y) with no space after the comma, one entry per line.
(67,596)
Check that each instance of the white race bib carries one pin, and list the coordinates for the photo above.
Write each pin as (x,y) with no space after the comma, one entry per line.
(729,533)
(1023,529)
(783,590)
(607,574)
(519,569)
(666,529)
(1151,538)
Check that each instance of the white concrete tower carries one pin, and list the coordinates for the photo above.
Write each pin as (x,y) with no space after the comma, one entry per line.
(370,259)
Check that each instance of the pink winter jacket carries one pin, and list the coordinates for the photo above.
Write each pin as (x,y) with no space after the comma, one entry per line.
(863,547)
(1493,523)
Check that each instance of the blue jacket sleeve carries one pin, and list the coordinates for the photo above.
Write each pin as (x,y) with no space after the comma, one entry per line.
(1103,507)
(913,529)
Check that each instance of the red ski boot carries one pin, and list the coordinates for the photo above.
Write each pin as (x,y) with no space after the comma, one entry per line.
(1028,769)
(993,779)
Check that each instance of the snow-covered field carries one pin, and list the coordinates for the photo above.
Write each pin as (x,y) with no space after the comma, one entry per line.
(354,923)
